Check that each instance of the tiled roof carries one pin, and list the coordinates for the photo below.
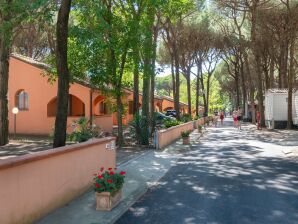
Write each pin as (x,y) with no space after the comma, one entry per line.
(31,61)
(47,67)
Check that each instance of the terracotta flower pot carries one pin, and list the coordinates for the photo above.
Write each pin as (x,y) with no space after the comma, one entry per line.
(185,140)
(106,201)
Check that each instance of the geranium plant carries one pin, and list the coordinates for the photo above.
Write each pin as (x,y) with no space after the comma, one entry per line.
(185,134)
(108,180)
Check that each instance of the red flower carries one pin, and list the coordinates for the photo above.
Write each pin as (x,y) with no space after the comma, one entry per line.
(122,173)
(112,173)
(110,169)
(109,181)
(97,185)
(99,176)
(102,169)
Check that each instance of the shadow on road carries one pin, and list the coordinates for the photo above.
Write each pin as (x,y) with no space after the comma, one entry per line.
(221,181)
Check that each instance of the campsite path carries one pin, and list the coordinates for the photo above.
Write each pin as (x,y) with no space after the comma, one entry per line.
(230,177)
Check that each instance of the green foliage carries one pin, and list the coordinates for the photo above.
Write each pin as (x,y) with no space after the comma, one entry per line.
(171,122)
(185,134)
(164,85)
(108,180)
(137,127)
(82,131)
(197,117)
(186,118)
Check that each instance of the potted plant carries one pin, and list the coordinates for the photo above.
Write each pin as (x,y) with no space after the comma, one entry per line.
(185,137)
(108,188)
(200,128)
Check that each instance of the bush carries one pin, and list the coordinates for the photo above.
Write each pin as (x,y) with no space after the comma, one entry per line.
(171,122)
(138,128)
(186,118)
(185,134)
(83,131)
(197,117)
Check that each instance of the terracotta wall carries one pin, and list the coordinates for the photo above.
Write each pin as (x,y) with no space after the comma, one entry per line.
(36,184)
(199,122)
(30,79)
(167,136)
(105,122)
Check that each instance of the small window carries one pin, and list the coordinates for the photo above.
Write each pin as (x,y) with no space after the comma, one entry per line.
(22,100)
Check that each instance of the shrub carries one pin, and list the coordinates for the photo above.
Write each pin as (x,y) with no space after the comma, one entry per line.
(171,122)
(197,117)
(82,130)
(200,127)
(185,134)
(138,128)
(108,180)
(186,118)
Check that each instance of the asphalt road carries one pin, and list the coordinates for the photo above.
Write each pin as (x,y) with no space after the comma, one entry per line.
(230,177)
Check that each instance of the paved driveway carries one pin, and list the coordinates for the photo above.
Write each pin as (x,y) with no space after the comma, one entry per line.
(230,177)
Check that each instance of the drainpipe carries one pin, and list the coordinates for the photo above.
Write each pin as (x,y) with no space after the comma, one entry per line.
(91,111)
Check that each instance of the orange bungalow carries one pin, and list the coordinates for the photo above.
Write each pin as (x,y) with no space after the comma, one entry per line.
(161,104)
(30,91)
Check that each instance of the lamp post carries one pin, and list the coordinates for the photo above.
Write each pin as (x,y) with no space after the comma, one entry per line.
(15,111)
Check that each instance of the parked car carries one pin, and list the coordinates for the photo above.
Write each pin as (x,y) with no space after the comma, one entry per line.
(171,113)
(160,117)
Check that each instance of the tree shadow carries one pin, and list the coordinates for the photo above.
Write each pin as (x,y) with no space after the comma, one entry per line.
(222,182)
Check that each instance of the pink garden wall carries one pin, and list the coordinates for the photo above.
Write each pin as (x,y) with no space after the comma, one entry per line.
(37,184)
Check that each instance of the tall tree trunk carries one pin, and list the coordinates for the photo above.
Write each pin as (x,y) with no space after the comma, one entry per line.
(244,93)
(145,101)
(283,62)
(208,91)
(271,73)
(251,89)
(4,73)
(136,60)
(177,82)
(290,83)
(237,90)
(267,78)
(173,76)
(199,69)
(204,95)
(63,74)
(256,52)
(152,94)
(120,139)
(188,92)
(5,47)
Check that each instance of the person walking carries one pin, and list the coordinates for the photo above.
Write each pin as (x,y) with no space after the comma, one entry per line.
(235,118)
(221,117)
(239,117)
